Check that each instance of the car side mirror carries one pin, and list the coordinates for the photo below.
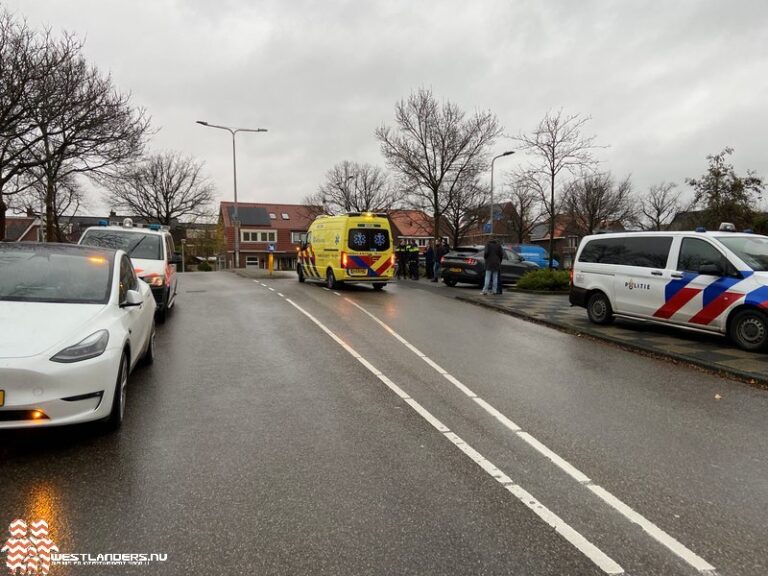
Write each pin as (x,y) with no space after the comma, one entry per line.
(176,258)
(132,298)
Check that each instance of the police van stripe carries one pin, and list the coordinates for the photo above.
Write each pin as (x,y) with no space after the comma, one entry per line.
(680,298)
(715,307)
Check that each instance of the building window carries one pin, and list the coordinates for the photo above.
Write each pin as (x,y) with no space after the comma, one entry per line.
(296,237)
(285,216)
(251,261)
(272,216)
(258,235)
(421,242)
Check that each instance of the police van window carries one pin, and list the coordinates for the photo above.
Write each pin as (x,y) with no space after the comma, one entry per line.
(136,244)
(368,239)
(641,251)
(751,249)
(695,253)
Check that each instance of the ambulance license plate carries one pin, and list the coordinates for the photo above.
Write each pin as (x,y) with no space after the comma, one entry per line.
(2,397)
(357,271)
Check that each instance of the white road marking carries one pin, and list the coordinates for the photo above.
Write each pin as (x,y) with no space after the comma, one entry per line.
(326,289)
(280,294)
(597,556)
(635,517)
(337,294)
(262,283)
(654,531)
(270,287)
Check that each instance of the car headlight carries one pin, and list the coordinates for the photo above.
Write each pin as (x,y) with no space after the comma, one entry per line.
(90,347)
(154,280)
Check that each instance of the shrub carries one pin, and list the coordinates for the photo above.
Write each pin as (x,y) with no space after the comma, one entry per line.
(550,280)
(203,267)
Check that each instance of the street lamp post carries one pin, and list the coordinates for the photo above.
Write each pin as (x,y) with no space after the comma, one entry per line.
(236,215)
(508,153)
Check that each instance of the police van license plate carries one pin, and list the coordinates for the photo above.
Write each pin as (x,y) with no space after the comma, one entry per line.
(357,271)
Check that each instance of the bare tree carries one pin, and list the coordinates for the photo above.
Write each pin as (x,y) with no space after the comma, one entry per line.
(68,196)
(85,125)
(353,187)
(163,188)
(525,207)
(20,50)
(660,206)
(465,208)
(595,201)
(436,148)
(557,145)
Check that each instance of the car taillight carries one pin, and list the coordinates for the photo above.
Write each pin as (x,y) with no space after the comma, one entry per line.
(570,276)
(392,260)
(470,261)
(343,259)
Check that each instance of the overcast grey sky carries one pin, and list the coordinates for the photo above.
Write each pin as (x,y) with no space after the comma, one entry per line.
(665,82)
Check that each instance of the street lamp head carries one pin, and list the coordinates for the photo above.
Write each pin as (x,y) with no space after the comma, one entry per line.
(202,122)
(508,153)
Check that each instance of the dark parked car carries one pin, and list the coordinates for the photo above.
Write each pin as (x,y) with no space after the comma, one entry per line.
(466,264)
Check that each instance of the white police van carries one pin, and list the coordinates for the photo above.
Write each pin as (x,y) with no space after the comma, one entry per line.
(152,254)
(705,281)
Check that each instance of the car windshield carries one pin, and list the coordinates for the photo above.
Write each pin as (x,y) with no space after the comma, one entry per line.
(753,250)
(135,244)
(62,275)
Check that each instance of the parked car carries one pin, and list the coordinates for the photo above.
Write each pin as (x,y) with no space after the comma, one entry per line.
(533,253)
(152,252)
(75,322)
(704,281)
(466,264)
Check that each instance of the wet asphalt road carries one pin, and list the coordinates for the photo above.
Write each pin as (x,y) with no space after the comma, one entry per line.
(257,444)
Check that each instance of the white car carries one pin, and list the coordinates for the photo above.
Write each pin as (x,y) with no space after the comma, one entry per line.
(152,252)
(74,322)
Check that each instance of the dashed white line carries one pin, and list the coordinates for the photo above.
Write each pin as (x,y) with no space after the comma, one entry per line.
(649,527)
(597,556)
(280,294)
(270,288)
(337,294)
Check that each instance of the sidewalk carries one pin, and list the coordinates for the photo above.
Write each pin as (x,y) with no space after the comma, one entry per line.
(711,352)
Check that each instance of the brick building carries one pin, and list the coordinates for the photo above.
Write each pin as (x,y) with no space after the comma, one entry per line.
(264,228)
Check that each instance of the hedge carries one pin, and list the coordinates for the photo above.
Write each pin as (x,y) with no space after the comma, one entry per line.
(548,280)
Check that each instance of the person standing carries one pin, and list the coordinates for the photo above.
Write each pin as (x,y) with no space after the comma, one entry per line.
(429,259)
(440,251)
(493,255)
(401,255)
(413,260)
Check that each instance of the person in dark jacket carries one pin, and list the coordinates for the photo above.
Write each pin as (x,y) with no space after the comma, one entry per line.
(493,255)
(440,251)
(429,259)
(413,260)
(401,255)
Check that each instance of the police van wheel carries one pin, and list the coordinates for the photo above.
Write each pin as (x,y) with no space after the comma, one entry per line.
(599,309)
(330,280)
(749,330)
(300,272)
(379,286)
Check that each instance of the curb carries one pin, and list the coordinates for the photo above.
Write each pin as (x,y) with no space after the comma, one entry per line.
(749,378)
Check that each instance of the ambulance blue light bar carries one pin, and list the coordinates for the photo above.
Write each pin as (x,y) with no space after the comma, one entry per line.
(103,223)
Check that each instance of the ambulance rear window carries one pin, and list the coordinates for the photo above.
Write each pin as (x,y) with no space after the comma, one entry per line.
(368,239)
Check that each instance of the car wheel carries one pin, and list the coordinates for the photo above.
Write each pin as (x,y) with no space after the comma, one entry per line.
(115,419)
(379,286)
(599,309)
(749,330)
(300,272)
(149,355)
(449,282)
(162,314)
(330,280)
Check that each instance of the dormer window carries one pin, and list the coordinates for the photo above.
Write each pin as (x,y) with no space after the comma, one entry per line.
(272,216)
(285,216)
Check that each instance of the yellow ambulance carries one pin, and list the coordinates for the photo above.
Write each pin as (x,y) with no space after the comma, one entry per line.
(353,247)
